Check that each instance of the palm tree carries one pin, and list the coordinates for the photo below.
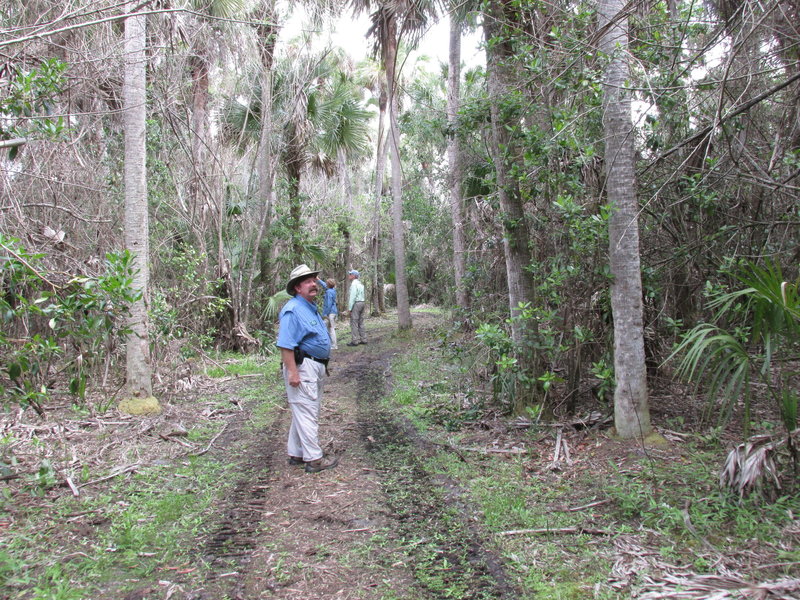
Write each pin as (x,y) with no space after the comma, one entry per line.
(631,410)
(754,336)
(139,372)
(391,20)
(454,160)
(326,121)
(323,121)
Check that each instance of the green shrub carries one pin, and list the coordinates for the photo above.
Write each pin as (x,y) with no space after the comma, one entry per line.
(53,329)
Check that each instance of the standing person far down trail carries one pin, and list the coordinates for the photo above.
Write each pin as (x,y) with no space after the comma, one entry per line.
(355,305)
(329,309)
(305,348)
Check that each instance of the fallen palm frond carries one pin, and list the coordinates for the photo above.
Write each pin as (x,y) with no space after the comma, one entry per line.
(717,587)
(752,465)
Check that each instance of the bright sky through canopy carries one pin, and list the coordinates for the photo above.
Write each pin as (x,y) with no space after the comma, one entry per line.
(350,34)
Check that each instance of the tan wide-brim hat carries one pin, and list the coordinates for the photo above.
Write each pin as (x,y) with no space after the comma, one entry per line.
(298,273)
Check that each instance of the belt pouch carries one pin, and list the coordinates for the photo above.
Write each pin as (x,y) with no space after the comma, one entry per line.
(299,355)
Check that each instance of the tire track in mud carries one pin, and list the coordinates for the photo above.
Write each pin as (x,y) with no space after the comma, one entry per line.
(228,549)
(439,541)
(431,513)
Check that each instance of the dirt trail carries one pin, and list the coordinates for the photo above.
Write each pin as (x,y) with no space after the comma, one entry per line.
(377,526)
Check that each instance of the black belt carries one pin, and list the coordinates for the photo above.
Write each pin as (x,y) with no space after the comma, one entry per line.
(301,355)
(324,361)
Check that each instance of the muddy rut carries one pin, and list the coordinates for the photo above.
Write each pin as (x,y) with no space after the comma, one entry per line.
(380,525)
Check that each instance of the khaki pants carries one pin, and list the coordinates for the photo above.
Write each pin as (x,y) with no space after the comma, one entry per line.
(357,323)
(304,402)
(330,322)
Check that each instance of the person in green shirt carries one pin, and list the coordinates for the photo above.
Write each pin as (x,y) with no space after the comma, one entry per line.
(355,305)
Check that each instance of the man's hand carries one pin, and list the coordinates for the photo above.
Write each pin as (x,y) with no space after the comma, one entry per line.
(294,377)
(291,367)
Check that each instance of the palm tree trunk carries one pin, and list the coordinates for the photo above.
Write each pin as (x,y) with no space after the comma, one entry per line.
(380,168)
(454,160)
(398,237)
(631,411)
(139,372)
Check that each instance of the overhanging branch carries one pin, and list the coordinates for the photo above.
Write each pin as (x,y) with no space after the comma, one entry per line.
(734,113)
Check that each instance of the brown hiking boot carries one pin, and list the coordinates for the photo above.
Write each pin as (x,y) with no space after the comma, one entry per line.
(315,466)
(295,460)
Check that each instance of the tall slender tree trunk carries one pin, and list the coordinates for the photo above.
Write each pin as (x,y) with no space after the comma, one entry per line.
(346,258)
(454,160)
(631,411)
(345,183)
(295,212)
(139,371)
(398,236)
(505,121)
(377,242)
(505,118)
(265,156)
(199,68)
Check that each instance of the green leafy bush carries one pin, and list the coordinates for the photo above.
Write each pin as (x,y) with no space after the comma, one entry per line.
(29,94)
(188,305)
(54,329)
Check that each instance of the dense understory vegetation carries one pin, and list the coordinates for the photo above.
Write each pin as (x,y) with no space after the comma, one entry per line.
(238,194)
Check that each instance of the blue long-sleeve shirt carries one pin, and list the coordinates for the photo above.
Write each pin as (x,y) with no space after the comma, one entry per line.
(328,299)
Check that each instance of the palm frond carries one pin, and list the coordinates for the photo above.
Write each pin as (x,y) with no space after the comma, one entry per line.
(238,119)
(220,8)
(321,162)
(316,253)
(343,120)
(708,345)
(751,466)
(717,361)
(775,302)
(765,319)
(274,305)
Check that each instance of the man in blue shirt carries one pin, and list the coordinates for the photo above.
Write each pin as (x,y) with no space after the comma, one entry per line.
(329,308)
(305,348)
